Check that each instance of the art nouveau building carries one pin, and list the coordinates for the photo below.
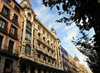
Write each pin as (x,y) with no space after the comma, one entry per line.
(39,50)
(10,21)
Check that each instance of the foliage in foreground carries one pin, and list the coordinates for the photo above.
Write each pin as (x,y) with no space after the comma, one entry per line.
(85,14)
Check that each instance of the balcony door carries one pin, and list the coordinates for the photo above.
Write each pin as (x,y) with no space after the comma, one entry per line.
(1,38)
(10,47)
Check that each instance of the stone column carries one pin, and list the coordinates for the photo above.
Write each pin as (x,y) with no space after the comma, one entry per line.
(47,71)
(42,71)
(24,28)
(18,66)
(28,69)
(36,70)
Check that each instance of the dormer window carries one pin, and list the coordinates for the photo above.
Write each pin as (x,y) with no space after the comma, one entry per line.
(29,15)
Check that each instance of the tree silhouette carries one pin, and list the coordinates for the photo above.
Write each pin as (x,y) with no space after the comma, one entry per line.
(86,15)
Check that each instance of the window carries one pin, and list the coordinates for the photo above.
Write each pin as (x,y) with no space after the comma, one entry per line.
(38,55)
(48,60)
(0,59)
(48,42)
(43,47)
(28,36)
(3,24)
(39,35)
(6,11)
(39,44)
(28,25)
(39,27)
(43,32)
(1,38)
(17,9)
(33,43)
(47,36)
(10,47)
(44,58)
(33,32)
(13,30)
(43,38)
(8,64)
(28,49)
(29,15)
(15,18)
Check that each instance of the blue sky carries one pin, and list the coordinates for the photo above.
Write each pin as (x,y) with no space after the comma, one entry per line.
(65,34)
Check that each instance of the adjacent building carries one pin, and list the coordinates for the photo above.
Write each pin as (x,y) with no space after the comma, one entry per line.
(10,22)
(65,60)
(72,65)
(80,68)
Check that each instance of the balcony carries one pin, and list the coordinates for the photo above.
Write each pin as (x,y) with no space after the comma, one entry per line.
(42,41)
(5,52)
(45,52)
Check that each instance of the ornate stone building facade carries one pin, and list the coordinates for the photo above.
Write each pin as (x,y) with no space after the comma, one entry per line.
(10,22)
(39,50)
(73,68)
(80,68)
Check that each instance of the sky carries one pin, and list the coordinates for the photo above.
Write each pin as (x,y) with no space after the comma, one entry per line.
(64,33)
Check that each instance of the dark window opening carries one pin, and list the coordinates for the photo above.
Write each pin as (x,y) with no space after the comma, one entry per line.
(29,15)
(28,49)
(48,42)
(13,30)
(33,32)
(1,38)
(39,27)
(15,18)
(43,32)
(44,38)
(28,36)
(44,58)
(48,60)
(10,47)
(38,55)
(43,47)
(8,64)
(39,44)
(17,9)
(3,24)
(32,70)
(23,68)
(6,11)
(28,25)
(39,35)
(0,59)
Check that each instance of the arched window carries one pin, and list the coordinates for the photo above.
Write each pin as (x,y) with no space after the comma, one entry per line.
(29,15)
(28,49)
(39,35)
(43,38)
